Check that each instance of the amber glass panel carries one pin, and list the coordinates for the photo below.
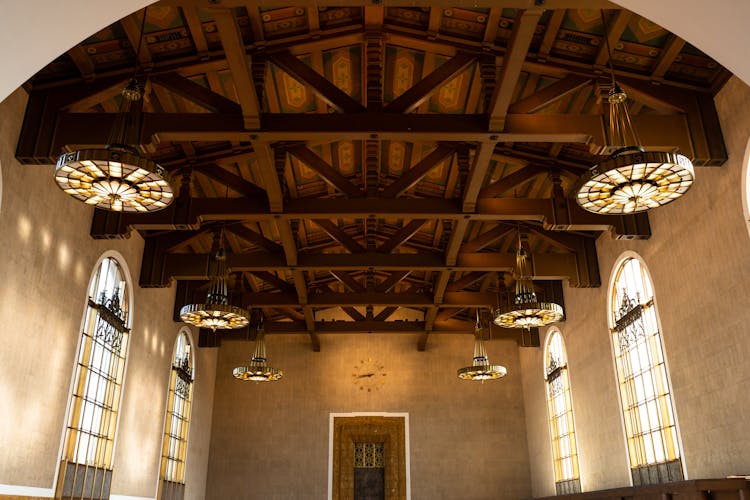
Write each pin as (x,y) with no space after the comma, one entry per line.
(174,448)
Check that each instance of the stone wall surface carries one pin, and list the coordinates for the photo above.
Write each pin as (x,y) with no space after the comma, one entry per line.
(47,260)
(699,262)
(270,440)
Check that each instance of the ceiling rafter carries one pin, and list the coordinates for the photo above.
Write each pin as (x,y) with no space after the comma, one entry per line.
(326,171)
(184,87)
(423,89)
(487,238)
(239,64)
(621,19)
(511,181)
(558,90)
(520,40)
(338,234)
(323,88)
(232,181)
(418,171)
(401,236)
(254,237)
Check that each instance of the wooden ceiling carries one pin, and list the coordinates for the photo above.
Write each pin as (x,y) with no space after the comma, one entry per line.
(371,163)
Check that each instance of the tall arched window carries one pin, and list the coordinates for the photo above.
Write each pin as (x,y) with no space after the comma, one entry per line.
(97,385)
(174,446)
(650,426)
(560,412)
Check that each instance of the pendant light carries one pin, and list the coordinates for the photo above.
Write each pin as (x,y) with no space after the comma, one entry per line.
(216,313)
(526,311)
(258,369)
(631,179)
(481,369)
(117,178)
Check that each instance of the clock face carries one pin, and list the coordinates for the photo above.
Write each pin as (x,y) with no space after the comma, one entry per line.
(369,375)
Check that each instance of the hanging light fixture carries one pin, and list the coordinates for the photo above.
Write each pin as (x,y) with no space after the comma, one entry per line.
(216,313)
(481,369)
(258,369)
(631,179)
(526,311)
(117,178)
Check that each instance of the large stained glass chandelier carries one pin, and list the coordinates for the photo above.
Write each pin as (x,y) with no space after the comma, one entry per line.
(631,179)
(526,311)
(258,369)
(216,313)
(481,369)
(117,178)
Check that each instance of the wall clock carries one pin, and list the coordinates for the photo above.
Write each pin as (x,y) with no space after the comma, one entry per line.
(369,375)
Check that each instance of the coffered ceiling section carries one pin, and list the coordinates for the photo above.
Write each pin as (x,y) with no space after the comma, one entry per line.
(373,164)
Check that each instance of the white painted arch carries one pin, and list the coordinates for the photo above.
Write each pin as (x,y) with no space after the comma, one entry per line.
(718,28)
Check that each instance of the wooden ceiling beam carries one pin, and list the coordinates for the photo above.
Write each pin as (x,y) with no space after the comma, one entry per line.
(568,217)
(83,62)
(520,41)
(331,94)
(72,130)
(487,238)
(232,181)
(196,31)
(132,26)
(422,90)
(465,281)
(326,171)
(239,64)
(511,181)
(546,265)
(667,56)
(184,87)
(274,280)
(477,174)
(347,279)
(338,234)
(418,171)
(358,299)
(392,280)
(255,238)
(402,236)
(550,94)
(616,28)
(550,35)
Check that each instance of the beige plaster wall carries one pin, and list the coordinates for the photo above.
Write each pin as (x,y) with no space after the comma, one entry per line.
(47,260)
(270,441)
(699,260)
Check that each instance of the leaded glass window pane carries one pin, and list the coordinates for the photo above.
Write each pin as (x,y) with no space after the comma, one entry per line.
(179,402)
(642,376)
(560,412)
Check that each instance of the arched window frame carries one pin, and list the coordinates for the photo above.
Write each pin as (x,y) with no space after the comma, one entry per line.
(745,186)
(560,415)
(649,421)
(98,378)
(177,418)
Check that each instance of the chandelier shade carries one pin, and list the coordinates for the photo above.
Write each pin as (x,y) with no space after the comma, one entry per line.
(216,313)
(631,180)
(117,178)
(119,181)
(481,369)
(635,182)
(526,311)
(258,369)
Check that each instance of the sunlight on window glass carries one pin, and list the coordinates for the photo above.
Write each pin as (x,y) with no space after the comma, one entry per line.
(560,412)
(99,372)
(642,376)
(179,402)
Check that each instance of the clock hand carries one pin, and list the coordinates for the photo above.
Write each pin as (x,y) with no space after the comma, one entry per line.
(366,375)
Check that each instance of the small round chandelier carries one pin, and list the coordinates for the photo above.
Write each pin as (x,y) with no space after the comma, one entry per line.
(117,178)
(216,313)
(631,180)
(258,369)
(526,311)
(481,369)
